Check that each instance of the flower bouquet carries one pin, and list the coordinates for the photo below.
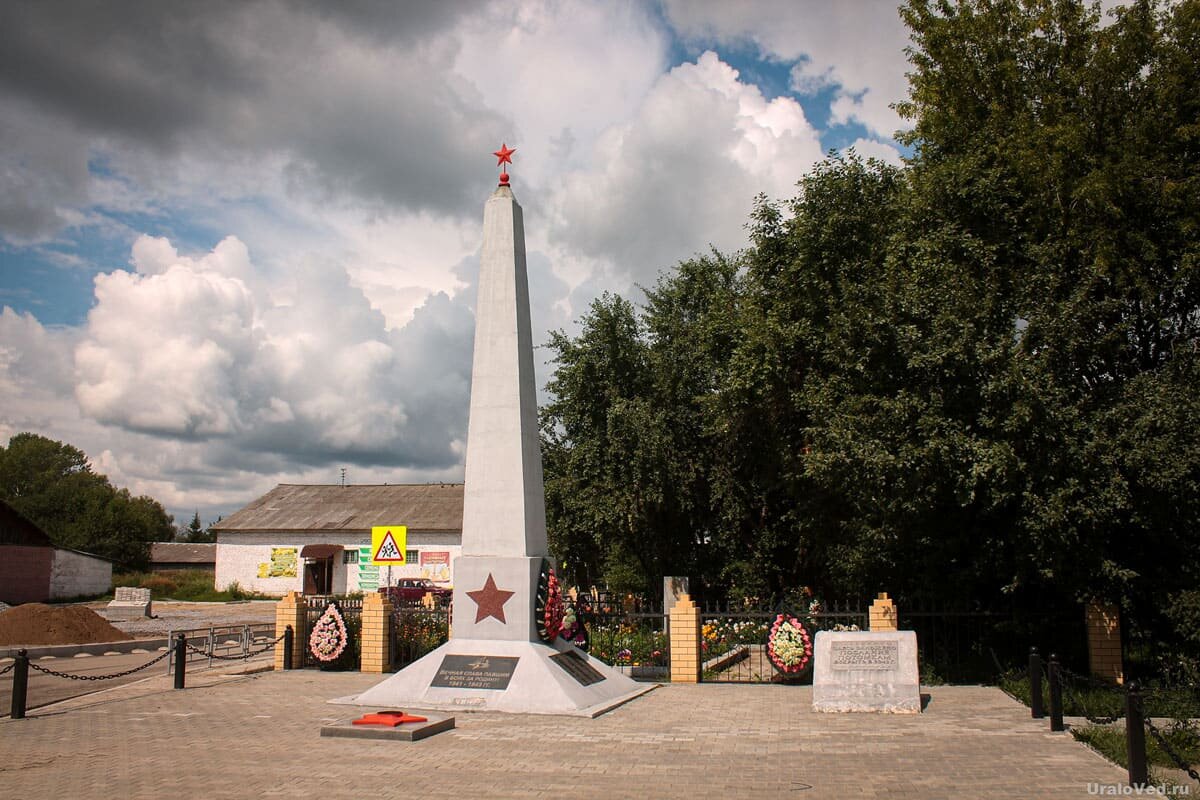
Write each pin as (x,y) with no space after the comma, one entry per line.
(548,609)
(329,637)
(789,646)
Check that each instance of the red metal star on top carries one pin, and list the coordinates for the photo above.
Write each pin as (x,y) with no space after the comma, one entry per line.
(504,156)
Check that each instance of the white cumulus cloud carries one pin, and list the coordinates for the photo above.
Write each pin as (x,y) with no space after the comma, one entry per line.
(683,173)
(185,347)
(857,46)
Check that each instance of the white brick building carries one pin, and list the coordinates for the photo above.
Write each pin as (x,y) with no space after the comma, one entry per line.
(317,539)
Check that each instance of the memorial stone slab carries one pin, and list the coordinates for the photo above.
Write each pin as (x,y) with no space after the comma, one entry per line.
(576,665)
(861,671)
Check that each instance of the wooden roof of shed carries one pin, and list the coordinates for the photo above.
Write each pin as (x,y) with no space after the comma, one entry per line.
(16,529)
(293,507)
(182,553)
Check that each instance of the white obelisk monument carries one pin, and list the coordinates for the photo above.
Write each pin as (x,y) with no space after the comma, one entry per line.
(495,659)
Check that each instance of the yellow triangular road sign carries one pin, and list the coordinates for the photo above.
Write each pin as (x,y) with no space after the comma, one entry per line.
(388,543)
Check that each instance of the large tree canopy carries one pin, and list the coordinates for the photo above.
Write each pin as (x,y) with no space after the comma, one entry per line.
(53,485)
(974,376)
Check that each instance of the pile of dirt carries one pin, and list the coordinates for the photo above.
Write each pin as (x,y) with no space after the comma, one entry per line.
(37,623)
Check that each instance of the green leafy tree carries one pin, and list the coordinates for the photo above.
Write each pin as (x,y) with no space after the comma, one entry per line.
(53,485)
(1060,158)
(971,377)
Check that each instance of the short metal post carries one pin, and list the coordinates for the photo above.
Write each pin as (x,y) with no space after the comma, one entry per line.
(180,659)
(1035,684)
(1056,706)
(288,637)
(20,687)
(1135,736)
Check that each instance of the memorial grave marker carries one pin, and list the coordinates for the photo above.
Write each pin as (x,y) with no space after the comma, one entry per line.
(862,671)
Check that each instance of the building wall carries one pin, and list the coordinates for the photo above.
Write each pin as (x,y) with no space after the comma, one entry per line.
(76,575)
(258,560)
(25,573)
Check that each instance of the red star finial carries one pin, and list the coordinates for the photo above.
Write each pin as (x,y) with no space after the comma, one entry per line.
(504,156)
(490,600)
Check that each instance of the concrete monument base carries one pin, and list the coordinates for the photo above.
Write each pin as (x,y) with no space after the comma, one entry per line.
(408,732)
(529,678)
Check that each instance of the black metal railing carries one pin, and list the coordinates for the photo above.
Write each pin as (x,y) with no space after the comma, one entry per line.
(957,645)
(630,634)
(733,636)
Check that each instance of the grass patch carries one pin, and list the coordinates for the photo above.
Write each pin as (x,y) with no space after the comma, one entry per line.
(1093,701)
(192,585)
(1110,742)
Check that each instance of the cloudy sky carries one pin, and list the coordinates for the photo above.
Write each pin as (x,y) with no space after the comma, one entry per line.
(239,240)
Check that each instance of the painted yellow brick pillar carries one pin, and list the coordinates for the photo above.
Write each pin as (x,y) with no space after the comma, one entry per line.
(884,616)
(685,641)
(1104,641)
(376,634)
(290,611)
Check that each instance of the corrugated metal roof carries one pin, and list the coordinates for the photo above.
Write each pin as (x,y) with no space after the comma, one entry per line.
(182,553)
(291,507)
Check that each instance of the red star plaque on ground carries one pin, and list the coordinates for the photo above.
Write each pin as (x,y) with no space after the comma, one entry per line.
(504,156)
(490,600)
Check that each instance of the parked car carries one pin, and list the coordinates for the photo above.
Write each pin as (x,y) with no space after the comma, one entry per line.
(412,590)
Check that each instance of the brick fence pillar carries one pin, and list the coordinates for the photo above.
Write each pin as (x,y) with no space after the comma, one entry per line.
(1104,641)
(883,615)
(685,641)
(290,611)
(376,634)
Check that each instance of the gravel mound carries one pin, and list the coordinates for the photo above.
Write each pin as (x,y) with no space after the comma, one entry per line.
(37,623)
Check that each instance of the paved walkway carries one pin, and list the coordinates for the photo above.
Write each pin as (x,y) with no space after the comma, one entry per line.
(257,737)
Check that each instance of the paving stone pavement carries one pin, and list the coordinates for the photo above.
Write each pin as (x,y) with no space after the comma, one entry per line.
(257,736)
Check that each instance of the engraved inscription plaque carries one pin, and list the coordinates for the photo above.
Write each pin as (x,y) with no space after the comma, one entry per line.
(864,655)
(578,668)
(475,672)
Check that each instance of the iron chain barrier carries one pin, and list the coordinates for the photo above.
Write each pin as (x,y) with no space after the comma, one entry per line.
(1137,721)
(72,677)
(1170,751)
(177,650)
(1071,678)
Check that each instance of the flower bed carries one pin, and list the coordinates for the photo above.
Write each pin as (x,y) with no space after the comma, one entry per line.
(629,644)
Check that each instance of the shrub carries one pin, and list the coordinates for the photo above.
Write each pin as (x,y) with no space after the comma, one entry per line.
(183,584)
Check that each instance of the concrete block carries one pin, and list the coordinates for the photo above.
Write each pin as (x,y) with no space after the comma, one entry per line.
(861,671)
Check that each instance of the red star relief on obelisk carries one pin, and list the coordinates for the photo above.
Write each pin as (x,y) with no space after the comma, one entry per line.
(490,600)
(504,156)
